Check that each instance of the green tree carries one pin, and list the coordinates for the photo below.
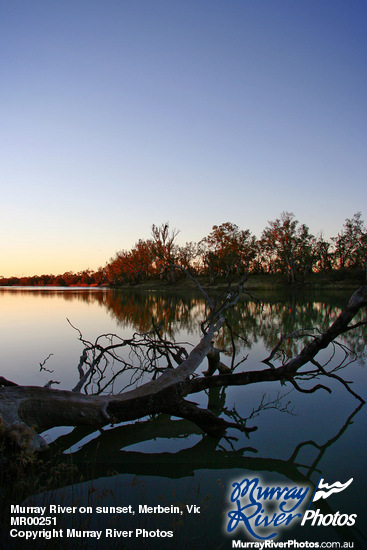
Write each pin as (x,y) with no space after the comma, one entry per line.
(188,256)
(323,255)
(288,247)
(350,245)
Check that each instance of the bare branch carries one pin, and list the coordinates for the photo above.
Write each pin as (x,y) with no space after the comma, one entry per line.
(42,365)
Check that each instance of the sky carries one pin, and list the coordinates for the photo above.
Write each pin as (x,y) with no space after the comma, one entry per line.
(117,114)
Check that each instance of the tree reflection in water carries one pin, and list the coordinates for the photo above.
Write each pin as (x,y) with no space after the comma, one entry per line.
(251,321)
(110,455)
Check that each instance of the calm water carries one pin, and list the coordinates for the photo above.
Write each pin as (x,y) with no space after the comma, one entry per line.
(166,460)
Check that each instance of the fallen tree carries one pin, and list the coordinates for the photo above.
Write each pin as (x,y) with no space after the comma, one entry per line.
(27,411)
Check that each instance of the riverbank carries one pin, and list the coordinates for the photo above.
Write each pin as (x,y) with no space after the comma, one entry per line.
(266,282)
(331,281)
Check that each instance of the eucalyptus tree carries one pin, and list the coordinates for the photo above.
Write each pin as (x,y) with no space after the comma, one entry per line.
(323,255)
(131,266)
(188,256)
(350,245)
(288,247)
(164,249)
(228,250)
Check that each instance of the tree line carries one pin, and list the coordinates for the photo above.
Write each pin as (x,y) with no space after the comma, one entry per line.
(285,247)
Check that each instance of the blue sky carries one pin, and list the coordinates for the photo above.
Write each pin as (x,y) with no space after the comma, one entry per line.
(122,113)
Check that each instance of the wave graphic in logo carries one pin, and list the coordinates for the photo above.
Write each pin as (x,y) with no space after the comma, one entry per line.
(323,490)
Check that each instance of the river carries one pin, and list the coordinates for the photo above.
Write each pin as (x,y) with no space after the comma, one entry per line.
(166,461)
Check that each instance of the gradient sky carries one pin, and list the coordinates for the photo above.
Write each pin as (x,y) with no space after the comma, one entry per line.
(117,114)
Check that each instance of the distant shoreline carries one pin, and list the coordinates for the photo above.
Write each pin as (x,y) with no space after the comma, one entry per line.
(331,281)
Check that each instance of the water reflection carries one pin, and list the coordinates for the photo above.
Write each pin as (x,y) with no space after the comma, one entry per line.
(254,324)
(324,440)
(253,320)
(113,451)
